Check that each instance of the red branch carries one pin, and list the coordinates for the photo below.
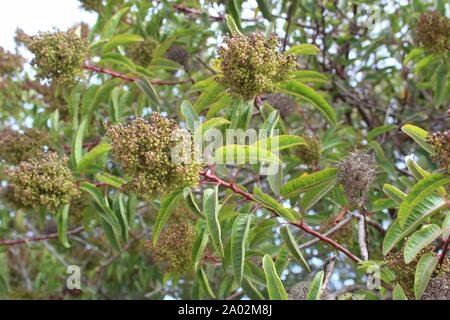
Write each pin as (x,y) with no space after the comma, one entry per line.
(115,74)
(445,249)
(210,176)
(39,238)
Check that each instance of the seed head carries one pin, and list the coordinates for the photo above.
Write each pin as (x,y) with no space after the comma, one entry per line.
(174,247)
(16,146)
(356,173)
(59,56)
(441,145)
(45,181)
(157,155)
(433,32)
(251,65)
(310,152)
(142,52)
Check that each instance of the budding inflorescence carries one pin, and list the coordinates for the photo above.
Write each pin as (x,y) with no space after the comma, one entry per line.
(310,152)
(59,56)
(440,141)
(142,52)
(16,146)
(251,65)
(356,173)
(44,181)
(157,155)
(433,32)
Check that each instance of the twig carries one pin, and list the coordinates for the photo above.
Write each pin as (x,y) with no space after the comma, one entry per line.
(329,273)
(362,238)
(39,238)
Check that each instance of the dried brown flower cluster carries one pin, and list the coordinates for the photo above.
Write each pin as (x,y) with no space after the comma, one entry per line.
(433,32)
(59,56)
(142,52)
(251,65)
(310,152)
(9,63)
(173,251)
(441,145)
(16,146)
(284,104)
(356,173)
(42,182)
(157,155)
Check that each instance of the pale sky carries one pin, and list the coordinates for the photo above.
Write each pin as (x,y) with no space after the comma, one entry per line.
(38,15)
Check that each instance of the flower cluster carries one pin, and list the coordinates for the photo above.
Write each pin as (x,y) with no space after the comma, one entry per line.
(142,52)
(9,62)
(174,246)
(59,56)
(441,145)
(310,152)
(179,55)
(16,146)
(356,173)
(42,182)
(433,32)
(157,155)
(284,104)
(252,65)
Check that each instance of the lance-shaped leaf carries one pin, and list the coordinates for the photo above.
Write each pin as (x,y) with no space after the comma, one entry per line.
(203,277)
(418,135)
(312,196)
(190,116)
(278,143)
(425,209)
(244,154)
(316,287)
(446,227)
(190,202)
(304,49)
(62,219)
(148,89)
(122,39)
(424,270)
(379,131)
(418,193)
(270,203)
(308,94)
(274,285)
(209,95)
(419,240)
(77,143)
(200,244)
(89,158)
(394,193)
(398,293)
(211,124)
(111,25)
(291,244)
(168,204)
(305,183)
(239,235)
(113,181)
(309,76)
(211,209)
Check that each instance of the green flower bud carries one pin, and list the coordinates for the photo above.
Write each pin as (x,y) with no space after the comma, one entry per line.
(59,56)
(356,173)
(16,146)
(157,155)
(42,182)
(174,247)
(433,32)
(251,65)
(441,145)
(142,52)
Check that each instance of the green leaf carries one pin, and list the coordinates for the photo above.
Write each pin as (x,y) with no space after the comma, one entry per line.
(419,240)
(441,80)
(304,49)
(206,284)
(242,112)
(239,235)
(190,202)
(211,209)
(111,180)
(394,193)
(312,196)
(415,169)
(398,293)
(200,244)
(423,210)
(418,192)
(309,76)
(190,116)
(308,94)
(379,131)
(418,135)
(62,219)
(424,270)
(118,59)
(413,54)
(111,25)
(446,227)
(316,287)
(271,122)
(279,143)
(148,89)
(122,39)
(243,154)
(270,203)
(77,144)
(89,158)
(232,26)
(291,244)
(307,182)
(251,290)
(210,124)
(274,284)
(209,95)
(265,9)
(169,203)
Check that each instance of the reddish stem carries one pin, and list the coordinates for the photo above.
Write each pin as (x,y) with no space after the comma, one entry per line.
(209,174)
(445,249)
